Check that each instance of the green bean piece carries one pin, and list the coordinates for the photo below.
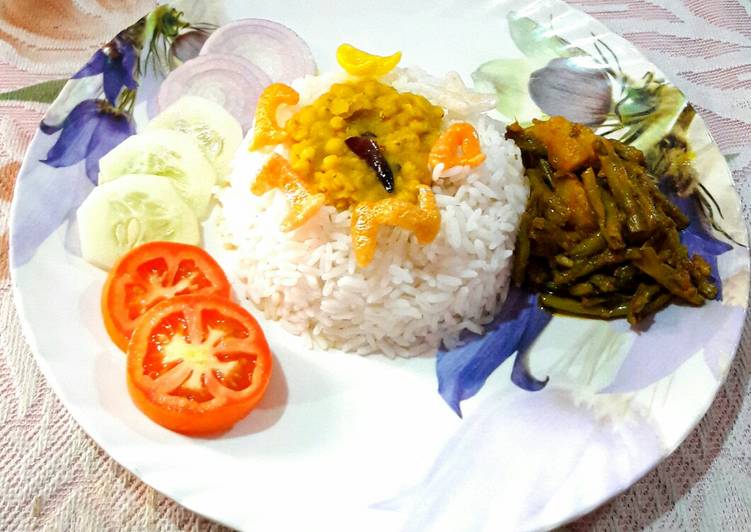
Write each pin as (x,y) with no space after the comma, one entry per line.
(596,301)
(607,217)
(604,283)
(572,306)
(701,273)
(659,303)
(700,266)
(673,212)
(547,173)
(532,149)
(678,282)
(592,189)
(628,153)
(582,289)
(592,244)
(549,239)
(553,288)
(635,169)
(643,295)
(635,224)
(625,272)
(652,215)
(612,229)
(626,277)
(521,251)
(563,260)
(551,206)
(588,265)
(633,254)
(662,202)
(624,195)
(707,289)
(673,243)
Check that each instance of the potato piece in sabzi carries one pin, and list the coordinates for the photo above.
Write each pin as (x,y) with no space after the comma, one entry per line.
(570,146)
(571,191)
(277,173)
(266,130)
(423,219)
(359,63)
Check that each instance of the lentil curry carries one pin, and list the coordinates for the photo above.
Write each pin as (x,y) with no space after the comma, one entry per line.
(362,146)
(404,125)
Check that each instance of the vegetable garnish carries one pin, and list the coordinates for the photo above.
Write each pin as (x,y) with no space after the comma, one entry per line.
(367,149)
(273,47)
(459,145)
(423,219)
(197,364)
(266,130)
(598,238)
(163,152)
(150,274)
(129,211)
(358,63)
(228,80)
(216,132)
(277,173)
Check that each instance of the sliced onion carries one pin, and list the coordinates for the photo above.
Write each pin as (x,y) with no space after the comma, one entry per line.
(276,49)
(231,81)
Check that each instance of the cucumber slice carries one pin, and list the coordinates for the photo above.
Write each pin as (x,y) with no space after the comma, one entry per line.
(168,154)
(132,210)
(213,128)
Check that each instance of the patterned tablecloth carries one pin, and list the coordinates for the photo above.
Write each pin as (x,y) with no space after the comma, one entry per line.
(52,476)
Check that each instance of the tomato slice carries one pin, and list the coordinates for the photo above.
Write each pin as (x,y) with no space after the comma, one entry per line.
(152,273)
(197,364)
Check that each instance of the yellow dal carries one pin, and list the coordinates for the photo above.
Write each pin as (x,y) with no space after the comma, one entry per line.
(405,125)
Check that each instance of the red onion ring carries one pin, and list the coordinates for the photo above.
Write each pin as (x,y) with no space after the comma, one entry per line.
(274,48)
(231,81)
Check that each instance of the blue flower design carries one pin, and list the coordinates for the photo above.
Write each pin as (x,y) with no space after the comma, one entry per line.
(463,371)
(116,62)
(91,129)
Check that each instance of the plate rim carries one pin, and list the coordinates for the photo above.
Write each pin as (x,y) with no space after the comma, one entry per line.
(190,504)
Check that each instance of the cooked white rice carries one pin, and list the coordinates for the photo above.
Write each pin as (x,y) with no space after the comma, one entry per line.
(411,297)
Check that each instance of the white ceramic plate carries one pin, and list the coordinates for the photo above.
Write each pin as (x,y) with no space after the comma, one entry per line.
(342,442)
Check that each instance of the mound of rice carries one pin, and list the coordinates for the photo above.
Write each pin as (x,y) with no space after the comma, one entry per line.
(412,297)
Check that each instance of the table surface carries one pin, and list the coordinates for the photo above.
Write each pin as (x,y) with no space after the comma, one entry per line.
(53,476)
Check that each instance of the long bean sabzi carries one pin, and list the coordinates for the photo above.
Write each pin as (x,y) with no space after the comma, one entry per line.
(598,238)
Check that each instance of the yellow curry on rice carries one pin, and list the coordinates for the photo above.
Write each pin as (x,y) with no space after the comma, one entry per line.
(362,146)
(406,126)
